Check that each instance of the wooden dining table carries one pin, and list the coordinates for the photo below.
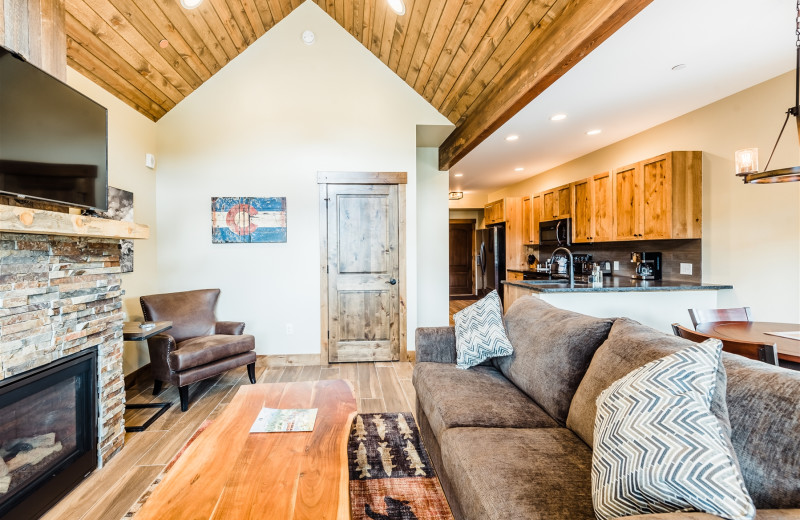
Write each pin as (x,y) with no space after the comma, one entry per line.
(756,331)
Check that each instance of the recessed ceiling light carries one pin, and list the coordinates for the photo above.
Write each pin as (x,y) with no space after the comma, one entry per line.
(519,169)
(398,6)
(163,43)
(308,37)
(512,137)
(191,4)
(594,132)
(458,175)
(558,117)
(679,66)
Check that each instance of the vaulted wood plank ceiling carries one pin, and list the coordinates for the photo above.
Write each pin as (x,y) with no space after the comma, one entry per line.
(476,61)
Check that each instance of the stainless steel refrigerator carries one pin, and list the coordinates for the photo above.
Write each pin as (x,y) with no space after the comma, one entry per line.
(491,244)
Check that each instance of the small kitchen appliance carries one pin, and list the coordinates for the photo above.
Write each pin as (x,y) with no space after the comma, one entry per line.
(648,266)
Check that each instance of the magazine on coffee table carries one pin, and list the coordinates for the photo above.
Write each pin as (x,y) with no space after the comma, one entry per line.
(787,335)
(285,420)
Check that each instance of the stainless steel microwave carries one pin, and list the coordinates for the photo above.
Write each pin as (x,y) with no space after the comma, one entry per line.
(555,232)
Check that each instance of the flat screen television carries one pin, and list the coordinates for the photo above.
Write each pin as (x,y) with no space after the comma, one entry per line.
(53,139)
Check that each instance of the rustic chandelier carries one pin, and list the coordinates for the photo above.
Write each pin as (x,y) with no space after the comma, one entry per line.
(747,159)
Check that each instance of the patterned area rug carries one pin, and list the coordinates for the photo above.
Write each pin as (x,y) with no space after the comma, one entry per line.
(391,476)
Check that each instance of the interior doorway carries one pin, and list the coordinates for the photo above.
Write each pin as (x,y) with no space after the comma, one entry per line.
(362,255)
(462,258)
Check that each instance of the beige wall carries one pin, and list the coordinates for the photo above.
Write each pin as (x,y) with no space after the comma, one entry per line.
(751,233)
(130,137)
(432,230)
(264,126)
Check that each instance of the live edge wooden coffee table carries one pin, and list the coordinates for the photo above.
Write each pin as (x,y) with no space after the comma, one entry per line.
(229,473)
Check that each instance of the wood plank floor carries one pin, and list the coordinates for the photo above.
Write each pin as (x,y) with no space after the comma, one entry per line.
(110,492)
(457,305)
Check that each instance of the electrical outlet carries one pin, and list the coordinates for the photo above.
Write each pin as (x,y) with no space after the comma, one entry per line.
(686,268)
(616,265)
(289,329)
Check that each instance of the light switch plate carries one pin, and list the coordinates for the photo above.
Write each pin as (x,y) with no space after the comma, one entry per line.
(686,268)
(616,265)
(150,161)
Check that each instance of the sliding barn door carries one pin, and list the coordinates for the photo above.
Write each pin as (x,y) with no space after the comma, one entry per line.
(363,268)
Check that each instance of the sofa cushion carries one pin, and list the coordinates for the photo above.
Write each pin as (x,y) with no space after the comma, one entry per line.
(659,449)
(629,346)
(765,421)
(552,350)
(480,334)
(480,396)
(500,474)
(205,349)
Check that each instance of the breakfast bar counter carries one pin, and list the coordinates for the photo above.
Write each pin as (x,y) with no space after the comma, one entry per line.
(656,303)
(612,284)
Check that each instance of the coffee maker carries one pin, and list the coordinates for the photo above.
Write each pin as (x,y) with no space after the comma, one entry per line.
(648,266)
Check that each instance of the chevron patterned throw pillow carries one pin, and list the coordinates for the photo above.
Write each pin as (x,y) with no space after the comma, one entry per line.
(480,333)
(659,449)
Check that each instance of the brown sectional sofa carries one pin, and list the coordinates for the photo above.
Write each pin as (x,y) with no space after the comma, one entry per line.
(511,439)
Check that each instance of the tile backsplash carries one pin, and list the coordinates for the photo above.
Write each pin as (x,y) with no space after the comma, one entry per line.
(674,252)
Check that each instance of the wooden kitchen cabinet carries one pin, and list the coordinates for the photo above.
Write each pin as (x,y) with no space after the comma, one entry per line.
(592,209)
(514,233)
(556,203)
(531,216)
(659,198)
(494,212)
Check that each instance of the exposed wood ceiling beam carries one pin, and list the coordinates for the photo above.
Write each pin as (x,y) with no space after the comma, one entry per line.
(558,46)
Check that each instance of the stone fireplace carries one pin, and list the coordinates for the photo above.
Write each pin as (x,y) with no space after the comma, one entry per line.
(60,295)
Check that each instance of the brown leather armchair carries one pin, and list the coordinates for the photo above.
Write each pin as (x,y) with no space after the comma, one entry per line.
(197,346)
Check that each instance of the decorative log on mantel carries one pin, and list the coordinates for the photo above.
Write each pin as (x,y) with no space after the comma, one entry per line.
(15,219)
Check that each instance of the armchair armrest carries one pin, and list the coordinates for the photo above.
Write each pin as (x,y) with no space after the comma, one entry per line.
(234,328)
(160,347)
(436,344)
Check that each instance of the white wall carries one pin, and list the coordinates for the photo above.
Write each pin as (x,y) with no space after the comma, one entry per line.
(432,230)
(264,126)
(751,233)
(130,136)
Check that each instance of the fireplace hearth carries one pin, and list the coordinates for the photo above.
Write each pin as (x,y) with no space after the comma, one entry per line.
(48,433)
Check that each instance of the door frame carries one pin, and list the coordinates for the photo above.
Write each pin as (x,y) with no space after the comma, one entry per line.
(472,270)
(325,178)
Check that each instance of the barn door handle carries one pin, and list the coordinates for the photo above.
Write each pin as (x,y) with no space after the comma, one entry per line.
(392,281)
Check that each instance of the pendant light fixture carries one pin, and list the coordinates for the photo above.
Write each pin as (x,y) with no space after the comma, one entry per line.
(747,159)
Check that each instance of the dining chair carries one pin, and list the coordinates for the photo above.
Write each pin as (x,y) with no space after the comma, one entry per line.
(706,315)
(758,351)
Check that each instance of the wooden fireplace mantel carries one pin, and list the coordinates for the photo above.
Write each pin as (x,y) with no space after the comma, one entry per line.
(15,219)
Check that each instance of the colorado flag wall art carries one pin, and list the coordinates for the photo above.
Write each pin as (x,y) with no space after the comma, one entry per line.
(248,219)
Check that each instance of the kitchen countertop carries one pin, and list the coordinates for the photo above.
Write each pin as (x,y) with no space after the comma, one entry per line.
(614,284)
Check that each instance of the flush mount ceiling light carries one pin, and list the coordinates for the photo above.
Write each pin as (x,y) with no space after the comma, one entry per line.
(519,169)
(747,160)
(458,175)
(398,6)
(594,132)
(456,195)
(512,137)
(163,44)
(558,117)
(308,37)
(190,4)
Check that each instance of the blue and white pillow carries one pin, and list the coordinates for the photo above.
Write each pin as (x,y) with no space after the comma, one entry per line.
(659,449)
(480,333)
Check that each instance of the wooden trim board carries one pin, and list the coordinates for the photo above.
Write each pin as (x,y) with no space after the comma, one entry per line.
(295,360)
(16,219)
(362,178)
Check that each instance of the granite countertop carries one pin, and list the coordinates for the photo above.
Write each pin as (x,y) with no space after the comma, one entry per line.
(614,284)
